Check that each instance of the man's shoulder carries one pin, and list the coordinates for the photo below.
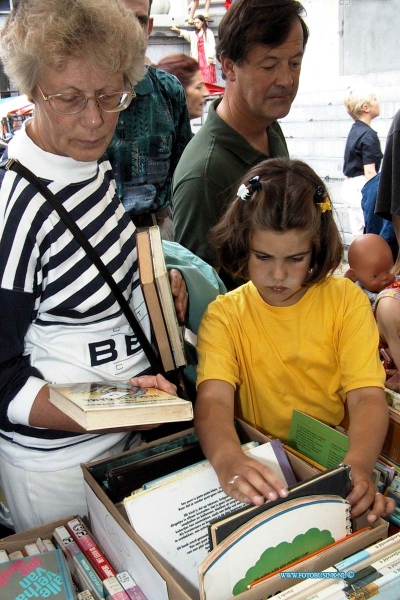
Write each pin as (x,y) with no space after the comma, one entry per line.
(165,82)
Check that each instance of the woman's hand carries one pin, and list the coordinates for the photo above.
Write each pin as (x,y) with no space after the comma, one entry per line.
(173,28)
(179,294)
(154,381)
(364,496)
(248,481)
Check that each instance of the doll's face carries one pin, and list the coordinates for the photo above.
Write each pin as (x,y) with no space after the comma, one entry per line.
(374,274)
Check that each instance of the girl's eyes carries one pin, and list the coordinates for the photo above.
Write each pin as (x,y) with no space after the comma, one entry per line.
(295,259)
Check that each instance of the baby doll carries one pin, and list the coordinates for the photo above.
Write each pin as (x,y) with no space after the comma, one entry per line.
(370,261)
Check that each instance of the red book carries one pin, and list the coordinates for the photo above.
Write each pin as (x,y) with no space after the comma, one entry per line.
(90,549)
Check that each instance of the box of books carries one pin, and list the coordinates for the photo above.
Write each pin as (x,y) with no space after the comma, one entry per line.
(187,540)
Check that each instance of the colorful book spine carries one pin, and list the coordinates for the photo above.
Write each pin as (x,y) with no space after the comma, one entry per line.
(84,595)
(82,570)
(132,589)
(114,590)
(90,549)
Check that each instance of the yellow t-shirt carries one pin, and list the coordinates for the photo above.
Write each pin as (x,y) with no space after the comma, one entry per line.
(306,356)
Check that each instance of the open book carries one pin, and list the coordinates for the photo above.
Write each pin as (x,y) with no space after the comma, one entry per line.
(105,405)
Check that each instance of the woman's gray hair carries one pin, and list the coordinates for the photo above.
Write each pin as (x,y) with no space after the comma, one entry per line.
(48,33)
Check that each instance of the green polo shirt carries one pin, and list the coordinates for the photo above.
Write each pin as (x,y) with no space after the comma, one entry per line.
(207,177)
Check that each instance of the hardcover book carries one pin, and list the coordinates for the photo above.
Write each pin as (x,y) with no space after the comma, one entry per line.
(333,481)
(272,539)
(40,576)
(104,405)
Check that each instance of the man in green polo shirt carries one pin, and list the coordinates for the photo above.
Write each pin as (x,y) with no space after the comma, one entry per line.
(260,51)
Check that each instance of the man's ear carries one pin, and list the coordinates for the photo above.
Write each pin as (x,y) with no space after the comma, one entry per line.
(228,67)
(150,26)
(350,275)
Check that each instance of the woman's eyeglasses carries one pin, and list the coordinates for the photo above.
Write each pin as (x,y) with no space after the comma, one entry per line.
(70,104)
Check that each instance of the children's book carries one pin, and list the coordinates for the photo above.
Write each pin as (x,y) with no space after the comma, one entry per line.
(44,575)
(173,516)
(271,540)
(336,480)
(104,405)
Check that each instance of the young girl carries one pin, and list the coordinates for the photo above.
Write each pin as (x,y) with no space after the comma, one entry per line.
(202,47)
(293,337)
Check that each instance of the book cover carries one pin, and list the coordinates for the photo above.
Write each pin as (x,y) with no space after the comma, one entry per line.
(39,576)
(165,297)
(82,571)
(289,567)
(336,480)
(150,294)
(90,549)
(322,443)
(104,405)
(173,517)
(271,539)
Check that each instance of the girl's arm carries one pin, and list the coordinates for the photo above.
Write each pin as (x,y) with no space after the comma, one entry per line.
(241,477)
(369,419)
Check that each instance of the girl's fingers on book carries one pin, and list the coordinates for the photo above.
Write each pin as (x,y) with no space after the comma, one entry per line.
(254,484)
(382,507)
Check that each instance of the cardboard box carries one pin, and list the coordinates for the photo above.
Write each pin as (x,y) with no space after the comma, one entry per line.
(18,540)
(156,578)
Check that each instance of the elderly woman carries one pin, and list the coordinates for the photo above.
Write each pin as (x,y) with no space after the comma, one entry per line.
(77,60)
(187,70)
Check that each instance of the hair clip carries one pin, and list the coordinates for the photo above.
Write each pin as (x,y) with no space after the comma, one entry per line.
(322,199)
(253,185)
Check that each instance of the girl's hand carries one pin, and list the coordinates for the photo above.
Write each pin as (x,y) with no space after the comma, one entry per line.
(364,496)
(154,381)
(248,481)
(173,28)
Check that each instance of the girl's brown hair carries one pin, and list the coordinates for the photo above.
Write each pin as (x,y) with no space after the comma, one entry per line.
(287,199)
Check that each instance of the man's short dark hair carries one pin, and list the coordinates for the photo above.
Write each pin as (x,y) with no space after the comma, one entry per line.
(251,22)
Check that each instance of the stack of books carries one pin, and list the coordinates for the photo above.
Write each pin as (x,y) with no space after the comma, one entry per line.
(70,566)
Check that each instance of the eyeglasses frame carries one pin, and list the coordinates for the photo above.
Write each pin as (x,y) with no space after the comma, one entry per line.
(86,99)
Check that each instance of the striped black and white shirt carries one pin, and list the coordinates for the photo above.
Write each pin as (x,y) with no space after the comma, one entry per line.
(59,322)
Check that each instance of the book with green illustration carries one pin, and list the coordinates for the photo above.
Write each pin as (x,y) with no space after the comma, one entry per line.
(173,515)
(272,540)
(336,480)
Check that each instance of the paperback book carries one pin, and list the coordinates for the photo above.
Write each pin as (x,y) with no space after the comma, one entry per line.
(40,576)
(106,405)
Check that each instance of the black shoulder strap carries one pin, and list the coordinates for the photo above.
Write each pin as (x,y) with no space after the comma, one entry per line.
(64,215)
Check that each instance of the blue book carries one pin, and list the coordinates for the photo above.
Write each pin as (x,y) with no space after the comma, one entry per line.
(44,575)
